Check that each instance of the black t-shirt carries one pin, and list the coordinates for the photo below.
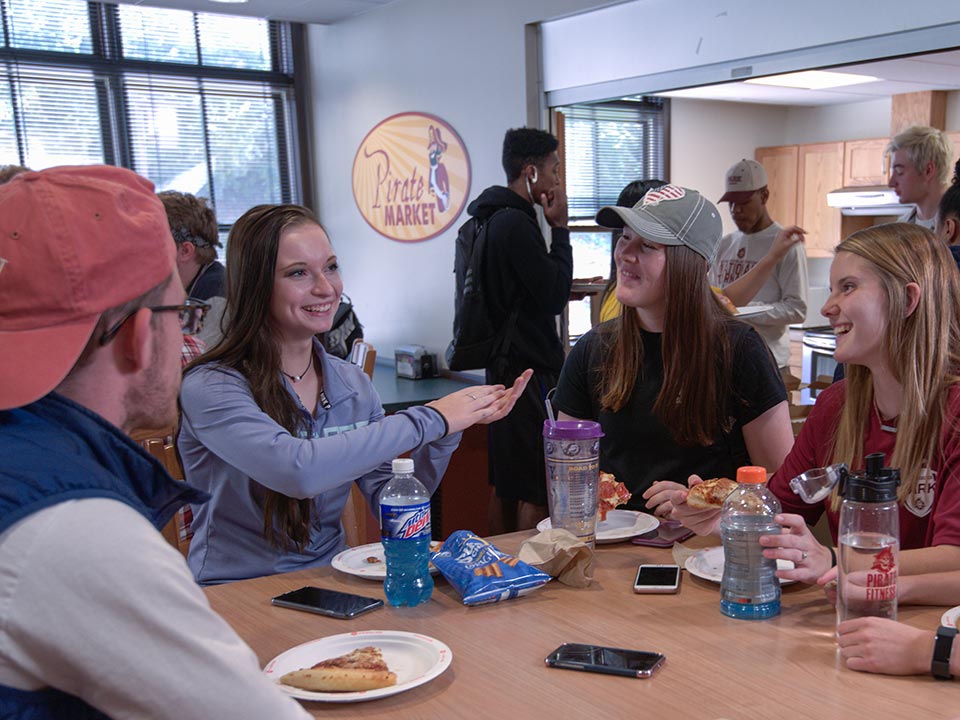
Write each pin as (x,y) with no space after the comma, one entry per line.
(636,447)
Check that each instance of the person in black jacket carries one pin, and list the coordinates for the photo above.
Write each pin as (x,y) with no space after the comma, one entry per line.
(528,285)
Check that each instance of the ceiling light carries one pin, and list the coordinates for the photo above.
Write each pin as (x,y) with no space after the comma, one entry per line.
(813,79)
(231,2)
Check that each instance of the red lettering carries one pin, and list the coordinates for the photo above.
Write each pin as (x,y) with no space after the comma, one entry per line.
(400,215)
(406,214)
(415,211)
(388,215)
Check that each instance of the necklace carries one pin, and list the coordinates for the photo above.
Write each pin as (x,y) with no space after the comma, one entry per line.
(886,427)
(298,378)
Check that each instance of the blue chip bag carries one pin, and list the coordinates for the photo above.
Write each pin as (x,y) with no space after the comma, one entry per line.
(483,574)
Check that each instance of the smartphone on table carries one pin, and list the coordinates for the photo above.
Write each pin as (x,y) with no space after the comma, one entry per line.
(657,579)
(327,602)
(665,535)
(607,660)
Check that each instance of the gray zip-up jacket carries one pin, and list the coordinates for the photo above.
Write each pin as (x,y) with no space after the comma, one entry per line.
(233,450)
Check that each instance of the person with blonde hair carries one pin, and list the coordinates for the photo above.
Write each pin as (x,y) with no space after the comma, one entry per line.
(895,307)
(919,166)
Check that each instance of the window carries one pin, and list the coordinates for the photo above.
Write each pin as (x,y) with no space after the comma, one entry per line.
(195,102)
(606,147)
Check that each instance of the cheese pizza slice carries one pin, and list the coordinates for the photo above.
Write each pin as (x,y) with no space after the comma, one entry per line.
(361,669)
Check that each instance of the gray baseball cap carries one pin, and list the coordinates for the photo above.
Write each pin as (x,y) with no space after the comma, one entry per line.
(670,215)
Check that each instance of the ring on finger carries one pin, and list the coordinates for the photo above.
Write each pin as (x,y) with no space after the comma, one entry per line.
(803,556)
(471,396)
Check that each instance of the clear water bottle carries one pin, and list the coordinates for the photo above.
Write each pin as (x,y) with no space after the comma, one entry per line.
(750,589)
(869,542)
(405,532)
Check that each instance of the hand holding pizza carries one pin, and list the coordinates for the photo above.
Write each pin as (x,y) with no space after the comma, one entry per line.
(701,521)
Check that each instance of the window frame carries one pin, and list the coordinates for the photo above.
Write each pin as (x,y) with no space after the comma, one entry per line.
(288,54)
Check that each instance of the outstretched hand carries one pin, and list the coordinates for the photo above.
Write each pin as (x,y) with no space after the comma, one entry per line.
(879,645)
(479,404)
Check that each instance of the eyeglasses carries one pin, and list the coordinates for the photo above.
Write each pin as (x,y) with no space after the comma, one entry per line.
(191,318)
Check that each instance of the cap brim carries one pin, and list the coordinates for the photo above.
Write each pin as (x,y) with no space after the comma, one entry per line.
(34,362)
(638,220)
(737,197)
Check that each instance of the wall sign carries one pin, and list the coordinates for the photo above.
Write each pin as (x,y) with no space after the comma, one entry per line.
(411,177)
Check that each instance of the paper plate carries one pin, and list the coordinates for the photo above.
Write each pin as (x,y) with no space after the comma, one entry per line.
(949,618)
(708,564)
(416,659)
(367,561)
(748,310)
(620,525)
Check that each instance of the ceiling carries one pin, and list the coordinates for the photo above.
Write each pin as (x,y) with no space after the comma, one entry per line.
(322,12)
(934,71)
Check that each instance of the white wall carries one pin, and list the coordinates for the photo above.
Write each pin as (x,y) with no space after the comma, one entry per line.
(464,62)
(698,160)
(829,123)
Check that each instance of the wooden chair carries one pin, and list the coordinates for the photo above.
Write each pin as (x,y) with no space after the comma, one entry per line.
(363,355)
(357,518)
(160,444)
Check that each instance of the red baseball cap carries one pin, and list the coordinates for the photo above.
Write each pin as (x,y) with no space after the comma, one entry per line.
(74,242)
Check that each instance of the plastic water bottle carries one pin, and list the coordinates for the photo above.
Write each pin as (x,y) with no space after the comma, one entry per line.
(405,531)
(869,543)
(750,589)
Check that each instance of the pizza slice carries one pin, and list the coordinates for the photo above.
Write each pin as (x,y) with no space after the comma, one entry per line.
(361,669)
(710,493)
(611,494)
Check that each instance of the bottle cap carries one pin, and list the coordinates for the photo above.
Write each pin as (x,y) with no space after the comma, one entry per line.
(572,429)
(751,474)
(403,466)
(877,484)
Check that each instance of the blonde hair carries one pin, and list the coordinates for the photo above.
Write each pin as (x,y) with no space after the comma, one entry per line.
(924,145)
(922,350)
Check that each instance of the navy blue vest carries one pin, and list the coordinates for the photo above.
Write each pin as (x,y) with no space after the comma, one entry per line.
(55,450)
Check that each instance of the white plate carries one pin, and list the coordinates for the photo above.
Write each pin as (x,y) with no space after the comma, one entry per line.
(620,525)
(708,564)
(353,561)
(748,310)
(950,617)
(414,658)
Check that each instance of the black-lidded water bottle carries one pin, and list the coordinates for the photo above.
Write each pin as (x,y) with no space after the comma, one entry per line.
(869,542)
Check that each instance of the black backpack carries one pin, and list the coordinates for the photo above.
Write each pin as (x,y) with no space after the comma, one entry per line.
(346,328)
(476,338)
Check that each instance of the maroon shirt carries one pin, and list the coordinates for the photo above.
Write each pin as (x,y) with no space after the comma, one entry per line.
(940,505)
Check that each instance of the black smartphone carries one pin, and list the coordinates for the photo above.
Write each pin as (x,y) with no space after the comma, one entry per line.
(327,602)
(657,579)
(612,661)
(668,533)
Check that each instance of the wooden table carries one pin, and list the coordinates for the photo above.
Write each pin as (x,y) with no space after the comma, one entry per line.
(716,667)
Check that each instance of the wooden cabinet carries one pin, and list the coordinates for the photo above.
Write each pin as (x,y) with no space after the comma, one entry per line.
(865,162)
(781,166)
(819,170)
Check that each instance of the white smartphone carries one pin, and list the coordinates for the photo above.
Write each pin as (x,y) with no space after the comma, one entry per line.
(657,579)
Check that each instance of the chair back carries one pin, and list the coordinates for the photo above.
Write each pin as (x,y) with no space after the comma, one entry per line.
(364,356)
(160,444)
(357,519)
